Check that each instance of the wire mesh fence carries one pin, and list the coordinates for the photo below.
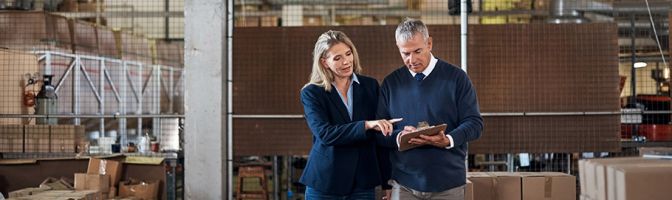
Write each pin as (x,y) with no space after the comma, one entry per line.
(91,78)
(545,71)
(111,68)
(557,80)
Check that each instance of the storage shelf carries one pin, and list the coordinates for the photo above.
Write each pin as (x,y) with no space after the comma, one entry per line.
(631,144)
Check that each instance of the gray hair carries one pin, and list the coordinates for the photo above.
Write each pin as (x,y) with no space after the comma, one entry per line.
(410,27)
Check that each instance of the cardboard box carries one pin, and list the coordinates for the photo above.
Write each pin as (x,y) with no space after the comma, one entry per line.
(85,38)
(37,138)
(107,42)
(56,184)
(66,195)
(11,138)
(82,141)
(90,7)
(145,190)
(53,194)
(63,138)
(249,21)
(27,192)
(522,185)
(590,183)
(68,6)
(13,67)
(582,176)
(87,195)
(35,31)
(105,167)
(364,20)
(596,174)
(584,197)
(269,21)
(656,152)
(500,186)
(167,53)
(92,182)
(548,186)
(636,181)
(312,21)
(135,47)
(112,192)
(469,191)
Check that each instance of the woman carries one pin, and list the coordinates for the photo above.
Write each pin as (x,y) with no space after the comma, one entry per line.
(340,107)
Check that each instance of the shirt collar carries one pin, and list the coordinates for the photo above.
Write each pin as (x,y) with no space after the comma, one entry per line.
(353,80)
(430,67)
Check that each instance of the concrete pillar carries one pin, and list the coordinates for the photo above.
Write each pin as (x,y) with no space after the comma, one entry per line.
(205,104)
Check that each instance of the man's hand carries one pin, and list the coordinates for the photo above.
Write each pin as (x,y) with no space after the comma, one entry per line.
(407,129)
(439,140)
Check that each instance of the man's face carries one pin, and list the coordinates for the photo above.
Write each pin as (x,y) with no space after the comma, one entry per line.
(416,52)
(339,60)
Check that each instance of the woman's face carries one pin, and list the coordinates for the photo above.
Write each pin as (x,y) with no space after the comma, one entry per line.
(339,60)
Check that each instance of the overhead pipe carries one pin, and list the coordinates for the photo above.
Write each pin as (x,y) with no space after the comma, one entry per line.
(565,11)
(639,7)
(463,34)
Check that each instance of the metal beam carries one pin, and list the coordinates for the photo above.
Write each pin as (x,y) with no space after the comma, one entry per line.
(121,14)
(397,12)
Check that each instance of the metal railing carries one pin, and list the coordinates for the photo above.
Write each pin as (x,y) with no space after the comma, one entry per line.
(129,86)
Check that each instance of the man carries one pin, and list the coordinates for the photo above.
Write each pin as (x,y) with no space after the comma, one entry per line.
(428,90)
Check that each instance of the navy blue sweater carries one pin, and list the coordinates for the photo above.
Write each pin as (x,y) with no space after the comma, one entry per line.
(447,96)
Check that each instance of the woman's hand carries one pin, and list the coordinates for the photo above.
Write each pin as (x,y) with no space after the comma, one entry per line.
(382,125)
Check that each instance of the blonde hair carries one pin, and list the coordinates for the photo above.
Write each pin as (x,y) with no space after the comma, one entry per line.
(320,75)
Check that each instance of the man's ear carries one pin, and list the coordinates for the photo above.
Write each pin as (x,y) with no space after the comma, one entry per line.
(429,43)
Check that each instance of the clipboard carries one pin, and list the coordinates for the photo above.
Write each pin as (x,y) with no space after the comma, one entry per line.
(432,130)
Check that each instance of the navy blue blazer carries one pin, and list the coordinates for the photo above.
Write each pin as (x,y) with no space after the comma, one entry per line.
(344,156)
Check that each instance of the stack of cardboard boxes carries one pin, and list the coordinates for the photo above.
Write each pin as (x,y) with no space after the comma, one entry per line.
(100,181)
(41,138)
(105,176)
(29,31)
(521,185)
(97,183)
(101,175)
(629,178)
(62,195)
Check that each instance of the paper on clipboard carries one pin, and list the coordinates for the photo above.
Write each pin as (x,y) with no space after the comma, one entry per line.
(432,130)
